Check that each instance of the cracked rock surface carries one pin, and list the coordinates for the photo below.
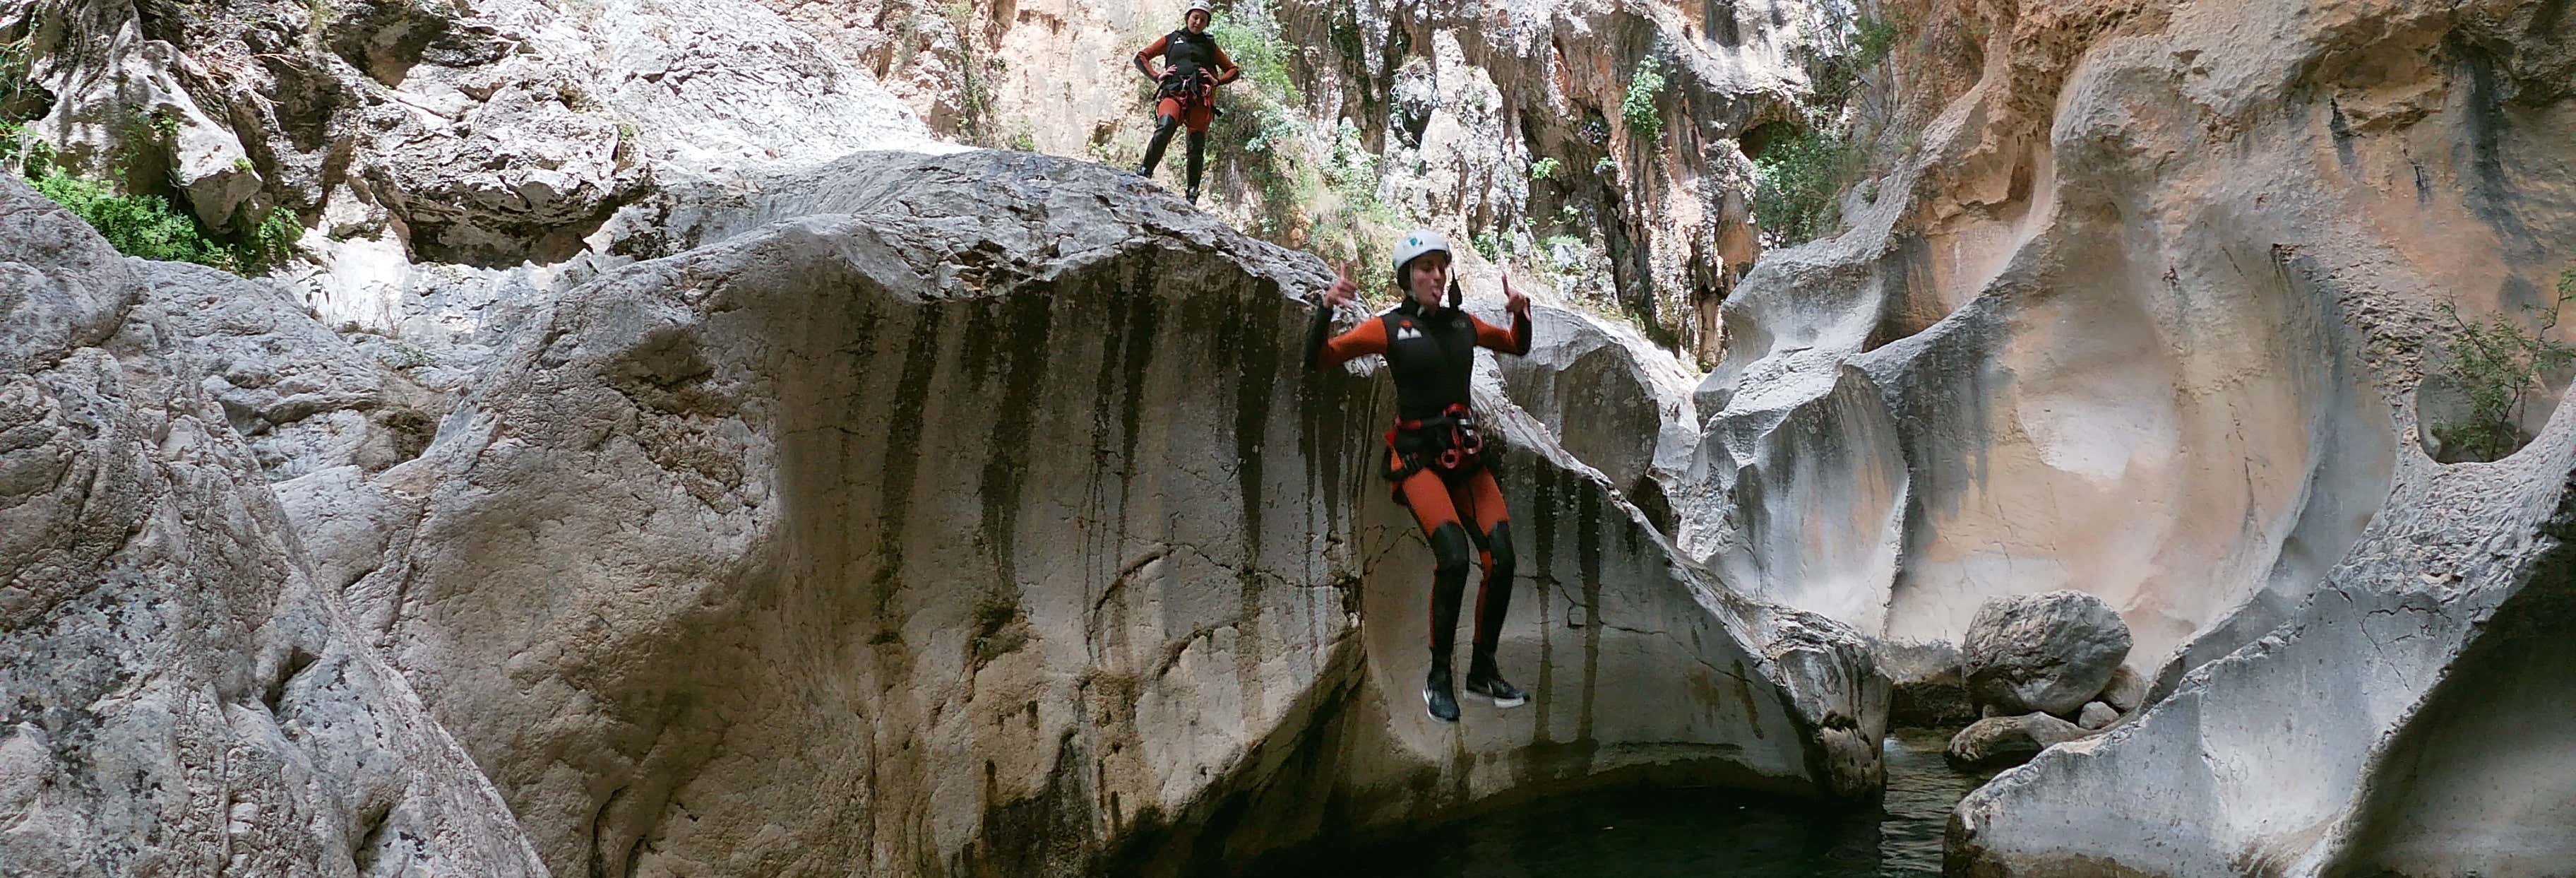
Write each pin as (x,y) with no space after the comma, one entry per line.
(971,514)
(182,697)
(2395,724)
(2147,317)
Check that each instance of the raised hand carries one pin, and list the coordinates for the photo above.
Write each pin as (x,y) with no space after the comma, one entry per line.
(1342,291)
(1513,301)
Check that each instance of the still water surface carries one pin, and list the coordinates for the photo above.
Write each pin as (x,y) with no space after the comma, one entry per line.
(1695,833)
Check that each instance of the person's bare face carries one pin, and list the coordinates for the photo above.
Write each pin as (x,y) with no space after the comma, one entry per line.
(1196,21)
(1428,278)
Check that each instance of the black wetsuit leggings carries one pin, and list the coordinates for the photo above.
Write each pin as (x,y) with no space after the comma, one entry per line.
(1168,122)
(1446,507)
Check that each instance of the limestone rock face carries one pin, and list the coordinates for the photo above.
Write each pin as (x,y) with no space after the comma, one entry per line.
(2394,724)
(65,291)
(2155,314)
(2150,319)
(2036,379)
(1456,102)
(1797,492)
(302,397)
(973,515)
(2048,652)
(487,133)
(2006,740)
(183,699)
(1610,398)
(2097,716)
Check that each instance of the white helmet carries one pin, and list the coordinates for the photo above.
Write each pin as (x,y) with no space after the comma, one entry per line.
(1200,6)
(1416,243)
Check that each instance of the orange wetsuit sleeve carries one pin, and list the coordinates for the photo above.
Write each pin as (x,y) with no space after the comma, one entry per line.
(1225,69)
(1144,59)
(1515,342)
(1324,353)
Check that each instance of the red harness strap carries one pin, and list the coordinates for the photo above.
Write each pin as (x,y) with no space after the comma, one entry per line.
(1462,449)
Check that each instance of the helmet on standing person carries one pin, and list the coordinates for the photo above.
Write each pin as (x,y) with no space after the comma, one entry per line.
(1415,244)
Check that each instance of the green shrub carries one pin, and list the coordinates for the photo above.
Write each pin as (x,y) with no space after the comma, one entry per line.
(270,242)
(12,143)
(1795,184)
(1641,107)
(17,59)
(1251,36)
(974,81)
(1544,169)
(1260,115)
(1874,38)
(1353,228)
(1317,185)
(2499,364)
(317,19)
(1350,167)
(137,225)
(150,227)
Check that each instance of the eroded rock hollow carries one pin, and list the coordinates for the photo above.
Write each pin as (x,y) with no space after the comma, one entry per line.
(2145,316)
(664,454)
(982,520)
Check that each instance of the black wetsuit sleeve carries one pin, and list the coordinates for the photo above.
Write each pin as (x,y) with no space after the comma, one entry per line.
(1316,332)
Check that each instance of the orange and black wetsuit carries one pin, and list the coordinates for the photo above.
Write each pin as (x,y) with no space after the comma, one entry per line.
(1432,353)
(1193,67)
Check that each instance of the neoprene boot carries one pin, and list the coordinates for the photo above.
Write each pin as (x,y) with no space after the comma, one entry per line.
(1436,695)
(1198,162)
(1154,148)
(1486,680)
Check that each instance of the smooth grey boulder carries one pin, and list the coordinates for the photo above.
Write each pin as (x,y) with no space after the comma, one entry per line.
(1005,468)
(1929,685)
(1611,399)
(2047,652)
(2126,691)
(61,287)
(2097,716)
(2000,741)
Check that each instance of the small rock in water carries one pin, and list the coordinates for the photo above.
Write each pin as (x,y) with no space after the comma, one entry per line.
(2125,692)
(2097,716)
(2047,652)
(1997,742)
(1931,685)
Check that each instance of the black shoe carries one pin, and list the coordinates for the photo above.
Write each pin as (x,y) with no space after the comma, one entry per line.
(1437,698)
(1493,687)
(1193,195)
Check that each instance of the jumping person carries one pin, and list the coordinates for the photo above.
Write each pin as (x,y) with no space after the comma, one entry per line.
(1193,67)
(1435,456)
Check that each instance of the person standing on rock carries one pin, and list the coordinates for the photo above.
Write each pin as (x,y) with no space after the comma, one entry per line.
(1193,67)
(1435,456)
